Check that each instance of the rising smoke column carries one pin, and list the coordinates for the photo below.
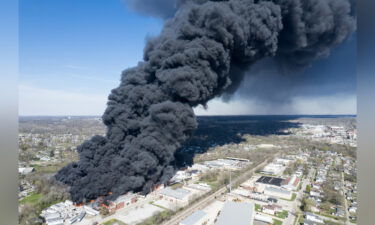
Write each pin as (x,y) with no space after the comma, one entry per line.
(202,52)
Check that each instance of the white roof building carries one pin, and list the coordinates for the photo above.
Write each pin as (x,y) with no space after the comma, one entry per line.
(239,213)
(197,218)
(200,186)
(263,218)
(178,193)
(242,192)
(25,170)
(90,210)
(274,169)
(277,192)
(313,218)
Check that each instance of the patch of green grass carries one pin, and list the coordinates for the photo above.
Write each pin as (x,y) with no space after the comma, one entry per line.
(258,207)
(282,215)
(301,219)
(277,222)
(51,168)
(157,218)
(176,185)
(32,198)
(113,221)
(153,203)
(294,196)
(213,185)
(328,222)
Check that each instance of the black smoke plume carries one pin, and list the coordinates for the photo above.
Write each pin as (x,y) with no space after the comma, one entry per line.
(201,53)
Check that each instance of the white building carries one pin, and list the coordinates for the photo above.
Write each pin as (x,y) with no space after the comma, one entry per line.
(283,161)
(241,192)
(197,218)
(90,210)
(271,209)
(200,187)
(273,169)
(263,218)
(278,192)
(25,170)
(313,218)
(178,196)
(238,213)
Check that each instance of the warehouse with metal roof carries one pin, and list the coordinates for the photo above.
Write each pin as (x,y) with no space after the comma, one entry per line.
(239,213)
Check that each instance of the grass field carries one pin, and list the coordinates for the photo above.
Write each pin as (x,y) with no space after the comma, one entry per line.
(258,207)
(113,221)
(294,196)
(33,198)
(277,222)
(51,168)
(282,214)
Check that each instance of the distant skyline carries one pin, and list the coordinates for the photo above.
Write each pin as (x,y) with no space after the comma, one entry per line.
(72,54)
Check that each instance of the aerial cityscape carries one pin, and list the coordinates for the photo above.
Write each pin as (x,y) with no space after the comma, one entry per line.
(187,112)
(280,170)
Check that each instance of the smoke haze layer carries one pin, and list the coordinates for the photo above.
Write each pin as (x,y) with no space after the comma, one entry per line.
(201,53)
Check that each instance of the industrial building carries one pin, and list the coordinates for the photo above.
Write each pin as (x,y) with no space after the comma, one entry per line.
(270,181)
(291,183)
(273,169)
(228,164)
(262,218)
(63,212)
(178,196)
(278,192)
(239,213)
(125,200)
(200,187)
(197,218)
(90,210)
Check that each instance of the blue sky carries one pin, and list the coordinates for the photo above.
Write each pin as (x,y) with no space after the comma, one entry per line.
(72,53)
(70,47)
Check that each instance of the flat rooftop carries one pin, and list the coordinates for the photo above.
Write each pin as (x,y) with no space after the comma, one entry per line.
(194,218)
(270,180)
(178,193)
(238,213)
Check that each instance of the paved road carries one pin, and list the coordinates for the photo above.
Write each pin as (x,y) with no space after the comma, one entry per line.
(346,202)
(296,204)
(202,203)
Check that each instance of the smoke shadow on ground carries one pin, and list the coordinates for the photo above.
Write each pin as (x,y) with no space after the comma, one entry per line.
(220,130)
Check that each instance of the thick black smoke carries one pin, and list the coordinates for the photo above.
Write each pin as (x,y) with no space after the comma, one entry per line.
(200,54)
